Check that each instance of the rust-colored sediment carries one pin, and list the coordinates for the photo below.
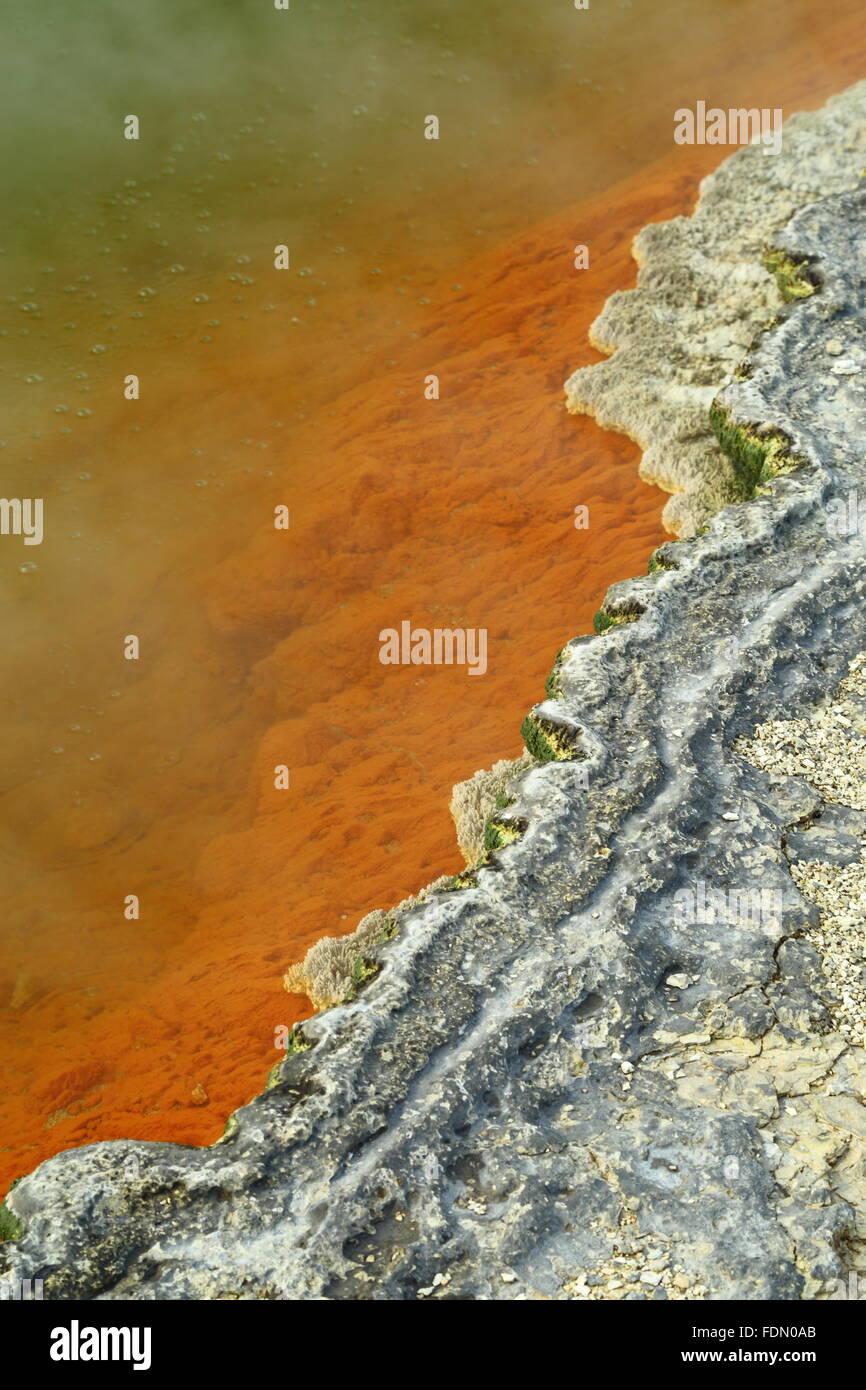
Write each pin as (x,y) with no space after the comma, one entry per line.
(455,512)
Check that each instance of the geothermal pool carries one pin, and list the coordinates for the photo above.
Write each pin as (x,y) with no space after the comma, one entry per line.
(153,779)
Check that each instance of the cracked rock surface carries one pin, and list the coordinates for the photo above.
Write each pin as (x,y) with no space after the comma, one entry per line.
(611,1066)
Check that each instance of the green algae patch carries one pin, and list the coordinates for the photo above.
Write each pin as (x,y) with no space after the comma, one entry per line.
(552,686)
(297,1042)
(467,879)
(794,278)
(273,1076)
(497,835)
(363,971)
(603,622)
(391,927)
(548,742)
(10,1226)
(658,562)
(756,458)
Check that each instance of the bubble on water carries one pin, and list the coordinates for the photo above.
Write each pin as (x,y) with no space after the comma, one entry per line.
(85,477)
(58,750)
(61,409)
(201,299)
(34,377)
(83,413)
(94,758)
(28,568)
(201,482)
(146,293)
(97,347)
